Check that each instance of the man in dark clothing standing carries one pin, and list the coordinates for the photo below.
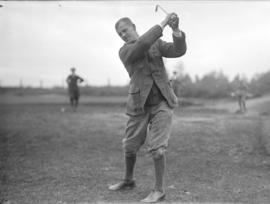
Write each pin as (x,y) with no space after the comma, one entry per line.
(73,89)
(241,94)
(151,98)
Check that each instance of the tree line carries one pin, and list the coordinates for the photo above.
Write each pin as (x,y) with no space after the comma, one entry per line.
(217,85)
(212,85)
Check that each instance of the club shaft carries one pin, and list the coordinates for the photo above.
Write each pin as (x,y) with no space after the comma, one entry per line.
(162,9)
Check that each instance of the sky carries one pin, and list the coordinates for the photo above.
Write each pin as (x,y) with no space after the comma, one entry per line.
(41,41)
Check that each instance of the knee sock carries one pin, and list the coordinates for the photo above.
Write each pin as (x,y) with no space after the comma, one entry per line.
(160,166)
(130,163)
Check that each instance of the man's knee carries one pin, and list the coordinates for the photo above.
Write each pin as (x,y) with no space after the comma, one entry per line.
(130,149)
(130,154)
(158,154)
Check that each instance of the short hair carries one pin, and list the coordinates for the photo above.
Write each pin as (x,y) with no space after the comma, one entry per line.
(126,20)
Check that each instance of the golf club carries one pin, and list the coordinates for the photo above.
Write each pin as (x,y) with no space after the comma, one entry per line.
(158,6)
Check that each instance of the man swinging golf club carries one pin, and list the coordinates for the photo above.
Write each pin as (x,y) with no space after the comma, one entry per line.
(151,98)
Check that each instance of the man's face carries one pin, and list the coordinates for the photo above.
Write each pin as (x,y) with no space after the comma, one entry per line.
(126,31)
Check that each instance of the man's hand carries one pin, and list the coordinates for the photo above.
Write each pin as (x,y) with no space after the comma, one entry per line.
(174,22)
(168,19)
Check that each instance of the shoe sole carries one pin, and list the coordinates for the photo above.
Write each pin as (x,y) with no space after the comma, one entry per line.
(123,189)
(162,198)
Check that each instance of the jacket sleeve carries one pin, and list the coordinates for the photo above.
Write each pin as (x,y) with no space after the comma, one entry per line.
(130,52)
(80,78)
(175,49)
(67,80)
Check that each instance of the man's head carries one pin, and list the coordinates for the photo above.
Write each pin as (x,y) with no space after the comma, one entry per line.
(126,29)
(72,69)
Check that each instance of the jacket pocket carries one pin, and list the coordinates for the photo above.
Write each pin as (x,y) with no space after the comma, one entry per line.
(134,100)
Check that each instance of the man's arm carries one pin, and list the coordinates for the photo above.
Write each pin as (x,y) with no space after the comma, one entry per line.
(130,52)
(175,49)
(178,47)
(67,80)
(81,79)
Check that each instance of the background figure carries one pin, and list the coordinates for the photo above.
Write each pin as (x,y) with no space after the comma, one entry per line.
(176,84)
(73,88)
(241,94)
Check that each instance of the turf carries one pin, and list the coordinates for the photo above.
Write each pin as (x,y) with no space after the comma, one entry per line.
(50,156)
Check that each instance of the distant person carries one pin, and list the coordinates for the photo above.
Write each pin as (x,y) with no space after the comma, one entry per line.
(73,89)
(151,98)
(241,94)
(176,84)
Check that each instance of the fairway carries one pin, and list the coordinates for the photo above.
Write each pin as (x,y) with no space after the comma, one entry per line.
(53,156)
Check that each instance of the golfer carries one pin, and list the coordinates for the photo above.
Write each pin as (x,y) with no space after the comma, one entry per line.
(73,89)
(151,98)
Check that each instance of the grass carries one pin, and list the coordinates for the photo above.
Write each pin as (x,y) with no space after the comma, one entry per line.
(58,99)
(49,156)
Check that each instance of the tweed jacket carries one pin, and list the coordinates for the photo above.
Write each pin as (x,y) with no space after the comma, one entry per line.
(142,59)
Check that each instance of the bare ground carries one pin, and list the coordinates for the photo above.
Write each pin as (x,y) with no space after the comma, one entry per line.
(50,156)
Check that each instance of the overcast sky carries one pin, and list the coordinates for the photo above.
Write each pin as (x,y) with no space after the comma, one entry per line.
(40,41)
